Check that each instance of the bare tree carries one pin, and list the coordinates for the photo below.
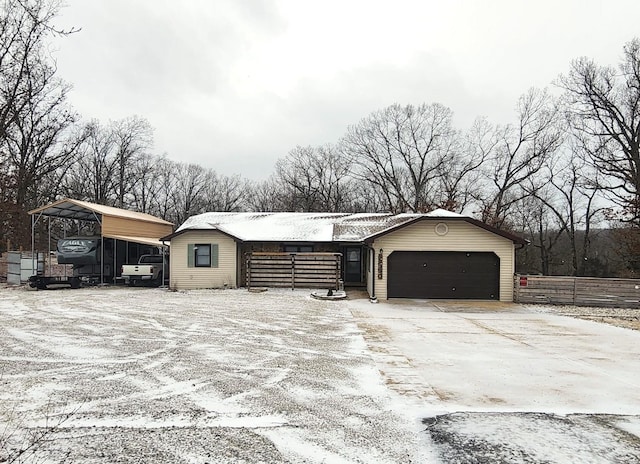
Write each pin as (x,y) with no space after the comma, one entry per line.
(264,196)
(144,175)
(402,152)
(313,179)
(518,154)
(36,136)
(577,189)
(460,176)
(107,171)
(226,193)
(25,28)
(165,178)
(93,177)
(605,105)
(545,232)
(41,140)
(132,138)
(188,195)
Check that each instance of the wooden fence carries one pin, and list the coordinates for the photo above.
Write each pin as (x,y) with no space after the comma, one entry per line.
(578,291)
(295,270)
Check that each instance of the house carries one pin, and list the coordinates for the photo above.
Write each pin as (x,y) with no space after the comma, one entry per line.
(434,255)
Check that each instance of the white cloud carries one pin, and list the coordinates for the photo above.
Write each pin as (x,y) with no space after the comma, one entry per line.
(234,85)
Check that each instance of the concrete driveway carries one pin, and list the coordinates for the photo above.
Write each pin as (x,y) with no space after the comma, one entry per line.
(505,383)
(492,356)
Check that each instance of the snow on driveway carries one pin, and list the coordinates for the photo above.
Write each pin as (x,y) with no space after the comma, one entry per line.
(492,360)
(148,375)
(505,383)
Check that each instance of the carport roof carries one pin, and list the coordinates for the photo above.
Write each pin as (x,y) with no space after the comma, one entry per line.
(69,208)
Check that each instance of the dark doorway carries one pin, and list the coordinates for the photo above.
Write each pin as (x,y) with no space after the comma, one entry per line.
(352,265)
(443,274)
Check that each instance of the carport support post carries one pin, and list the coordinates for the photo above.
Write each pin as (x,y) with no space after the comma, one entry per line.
(115,255)
(49,245)
(102,245)
(163,265)
(33,242)
(101,256)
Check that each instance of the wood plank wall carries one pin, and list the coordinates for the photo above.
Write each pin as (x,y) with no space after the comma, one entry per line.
(295,270)
(578,291)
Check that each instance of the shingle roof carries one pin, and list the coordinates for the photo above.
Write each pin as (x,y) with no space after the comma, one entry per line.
(313,227)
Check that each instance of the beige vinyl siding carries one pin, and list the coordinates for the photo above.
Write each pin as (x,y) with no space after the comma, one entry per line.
(185,277)
(134,228)
(461,236)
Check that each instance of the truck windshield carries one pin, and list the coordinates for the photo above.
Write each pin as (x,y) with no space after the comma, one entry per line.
(152,259)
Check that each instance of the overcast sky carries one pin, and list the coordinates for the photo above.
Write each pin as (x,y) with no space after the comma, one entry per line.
(236,84)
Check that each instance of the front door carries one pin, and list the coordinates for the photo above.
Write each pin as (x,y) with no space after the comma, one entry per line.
(353,265)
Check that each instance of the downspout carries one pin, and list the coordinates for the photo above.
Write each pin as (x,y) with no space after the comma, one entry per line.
(372,269)
(164,247)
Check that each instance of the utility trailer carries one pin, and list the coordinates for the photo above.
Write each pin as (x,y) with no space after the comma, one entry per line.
(52,282)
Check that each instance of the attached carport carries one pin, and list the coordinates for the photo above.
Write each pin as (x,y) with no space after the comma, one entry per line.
(124,227)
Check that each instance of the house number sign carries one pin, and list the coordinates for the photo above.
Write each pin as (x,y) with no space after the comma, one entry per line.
(380,264)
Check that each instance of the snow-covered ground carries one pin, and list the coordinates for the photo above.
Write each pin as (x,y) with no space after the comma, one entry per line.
(148,375)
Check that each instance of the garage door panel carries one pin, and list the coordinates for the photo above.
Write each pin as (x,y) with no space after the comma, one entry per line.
(438,274)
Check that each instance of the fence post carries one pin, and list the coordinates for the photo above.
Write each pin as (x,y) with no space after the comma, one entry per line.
(293,271)
(248,270)
(575,290)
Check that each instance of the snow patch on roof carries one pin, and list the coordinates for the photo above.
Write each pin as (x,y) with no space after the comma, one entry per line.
(304,227)
(443,213)
(295,227)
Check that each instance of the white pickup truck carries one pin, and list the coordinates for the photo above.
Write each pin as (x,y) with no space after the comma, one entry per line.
(149,270)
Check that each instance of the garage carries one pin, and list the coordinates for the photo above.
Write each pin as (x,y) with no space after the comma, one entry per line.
(444,274)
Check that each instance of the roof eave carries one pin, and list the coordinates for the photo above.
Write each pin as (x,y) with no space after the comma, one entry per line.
(168,238)
(514,238)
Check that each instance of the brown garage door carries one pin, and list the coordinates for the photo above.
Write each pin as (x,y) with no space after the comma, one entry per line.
(443,274)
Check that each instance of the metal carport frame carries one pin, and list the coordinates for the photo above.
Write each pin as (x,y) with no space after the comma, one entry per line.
(115,223)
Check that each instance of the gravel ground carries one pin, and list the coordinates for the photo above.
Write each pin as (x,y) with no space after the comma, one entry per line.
(619,317)
(146,375)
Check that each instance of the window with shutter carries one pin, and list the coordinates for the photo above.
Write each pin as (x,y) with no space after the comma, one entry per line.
(202,255)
